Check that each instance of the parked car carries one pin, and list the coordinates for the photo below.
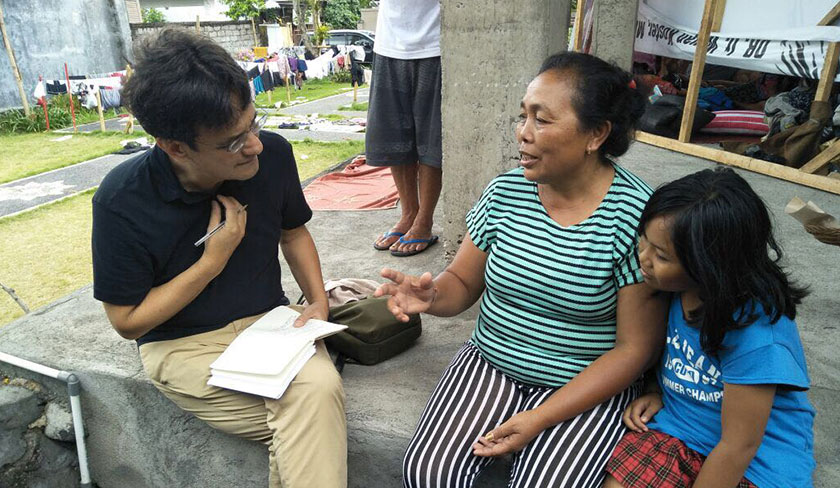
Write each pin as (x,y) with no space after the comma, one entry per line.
(347,37)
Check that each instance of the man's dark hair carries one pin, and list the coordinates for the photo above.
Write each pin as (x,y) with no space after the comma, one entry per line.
(183,81)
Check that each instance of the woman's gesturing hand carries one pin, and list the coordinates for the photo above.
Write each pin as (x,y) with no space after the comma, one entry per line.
(409,294)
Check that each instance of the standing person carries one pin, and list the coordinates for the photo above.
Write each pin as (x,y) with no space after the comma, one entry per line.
(566,325)
(403,125)
(733,375)
(183,303)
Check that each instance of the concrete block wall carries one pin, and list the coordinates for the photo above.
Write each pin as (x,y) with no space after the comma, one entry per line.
(91,36)
(234,36)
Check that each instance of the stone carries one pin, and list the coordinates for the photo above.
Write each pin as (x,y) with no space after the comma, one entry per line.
(59,423)
(12,446)
(46,464)
(18,407)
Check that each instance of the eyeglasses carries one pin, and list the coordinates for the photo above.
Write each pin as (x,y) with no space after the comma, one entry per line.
(237,144)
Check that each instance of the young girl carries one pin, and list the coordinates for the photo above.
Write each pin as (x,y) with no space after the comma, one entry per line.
(733,374)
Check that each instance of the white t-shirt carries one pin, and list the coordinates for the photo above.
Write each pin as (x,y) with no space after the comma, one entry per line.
(408,29)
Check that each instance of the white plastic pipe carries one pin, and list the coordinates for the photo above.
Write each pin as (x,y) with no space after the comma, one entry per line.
(73,389)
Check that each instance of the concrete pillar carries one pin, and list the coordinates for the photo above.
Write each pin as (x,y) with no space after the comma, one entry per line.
(491,50)
(613,31)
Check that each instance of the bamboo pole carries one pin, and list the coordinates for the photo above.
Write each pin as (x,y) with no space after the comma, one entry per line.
(15,69)
(355,90)
(99,108)
(696,72)
(288,90)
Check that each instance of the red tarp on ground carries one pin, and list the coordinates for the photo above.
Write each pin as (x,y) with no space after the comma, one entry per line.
(357,187)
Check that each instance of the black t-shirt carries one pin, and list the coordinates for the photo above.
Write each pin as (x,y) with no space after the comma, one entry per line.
(145,225)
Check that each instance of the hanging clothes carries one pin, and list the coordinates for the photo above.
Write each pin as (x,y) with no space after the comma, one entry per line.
(110,97)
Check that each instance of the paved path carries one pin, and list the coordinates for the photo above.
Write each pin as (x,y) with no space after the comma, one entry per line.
(24,194)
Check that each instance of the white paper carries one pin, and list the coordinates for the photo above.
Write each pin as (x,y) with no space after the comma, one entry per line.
(271,386)
(265,358)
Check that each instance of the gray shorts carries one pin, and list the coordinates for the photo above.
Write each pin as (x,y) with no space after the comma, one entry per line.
(403,124)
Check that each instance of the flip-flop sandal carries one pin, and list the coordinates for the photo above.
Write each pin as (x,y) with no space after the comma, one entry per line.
(402,254)
(385,236)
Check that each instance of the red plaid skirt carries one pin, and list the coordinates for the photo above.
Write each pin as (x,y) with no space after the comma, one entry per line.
(656,460)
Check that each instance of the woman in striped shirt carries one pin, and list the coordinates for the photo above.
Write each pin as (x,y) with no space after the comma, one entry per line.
(566,325)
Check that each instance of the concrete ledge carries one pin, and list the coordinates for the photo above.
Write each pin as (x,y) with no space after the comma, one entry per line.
(137,438)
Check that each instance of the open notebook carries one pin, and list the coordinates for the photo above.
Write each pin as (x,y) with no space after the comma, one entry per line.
(265,358)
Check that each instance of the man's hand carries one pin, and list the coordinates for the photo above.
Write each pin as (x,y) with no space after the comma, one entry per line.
(317,310)
(641,411)
(219,247)
(511,436)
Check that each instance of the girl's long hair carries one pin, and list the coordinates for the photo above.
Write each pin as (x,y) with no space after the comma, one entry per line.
(723,237)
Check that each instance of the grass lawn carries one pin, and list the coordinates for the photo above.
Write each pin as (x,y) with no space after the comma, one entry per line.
(312,90)
(23,155)
(314,157)
(47,250)
(46,255)
(355,107)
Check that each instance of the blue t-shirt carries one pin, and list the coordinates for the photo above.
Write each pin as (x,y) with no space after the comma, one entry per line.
(761,353)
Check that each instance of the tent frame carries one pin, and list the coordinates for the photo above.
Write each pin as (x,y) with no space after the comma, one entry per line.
(810,174)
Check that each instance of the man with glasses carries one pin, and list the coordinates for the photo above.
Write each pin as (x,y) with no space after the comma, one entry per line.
(183,300)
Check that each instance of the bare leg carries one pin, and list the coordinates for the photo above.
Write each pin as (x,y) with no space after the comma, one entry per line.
(405,178)
(429,192)
(610,482)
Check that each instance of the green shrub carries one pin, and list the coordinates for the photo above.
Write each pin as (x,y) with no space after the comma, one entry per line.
(16,122)
(340,76)
(153,16)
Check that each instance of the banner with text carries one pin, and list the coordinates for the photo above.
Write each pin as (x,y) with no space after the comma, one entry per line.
(794,52)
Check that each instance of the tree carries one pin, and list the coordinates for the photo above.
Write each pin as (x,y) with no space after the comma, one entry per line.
(342,14)
(247,9)
(153,16)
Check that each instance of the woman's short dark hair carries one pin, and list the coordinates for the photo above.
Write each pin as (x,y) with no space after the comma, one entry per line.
(603,93)
(723,237)
(183,81)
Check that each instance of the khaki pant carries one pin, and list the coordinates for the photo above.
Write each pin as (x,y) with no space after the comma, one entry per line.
(305,430)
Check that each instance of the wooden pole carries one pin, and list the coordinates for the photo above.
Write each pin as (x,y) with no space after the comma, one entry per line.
(831,15)
(99,108)
(70,95)
(717,19)
(822,159)
(288,90)
(254,31)
(756,165)
(829,71)
(355,90)
(578,41)
(129,124)
(696,72)
(15,69)
(43,102)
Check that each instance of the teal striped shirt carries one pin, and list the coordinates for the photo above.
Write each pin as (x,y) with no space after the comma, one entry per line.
(549,306)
